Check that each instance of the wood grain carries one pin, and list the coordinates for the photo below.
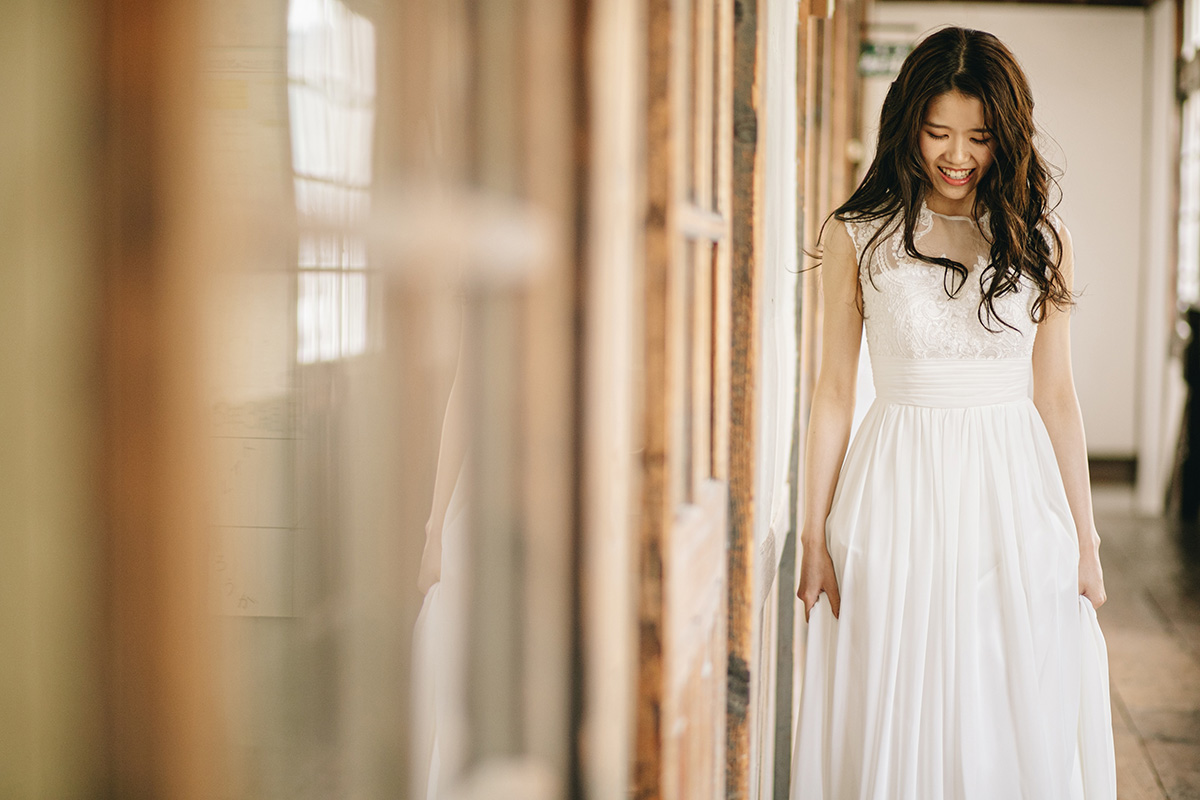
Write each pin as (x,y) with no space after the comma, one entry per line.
(743,431)
(655,505)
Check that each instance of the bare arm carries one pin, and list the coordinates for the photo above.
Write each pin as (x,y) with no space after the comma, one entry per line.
(832,411)
(451,453)
(1056,401)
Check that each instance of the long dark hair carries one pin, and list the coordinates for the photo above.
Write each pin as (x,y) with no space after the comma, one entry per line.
(1015,191)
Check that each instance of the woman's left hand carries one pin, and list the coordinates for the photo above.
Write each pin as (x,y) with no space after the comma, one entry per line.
(1091,575)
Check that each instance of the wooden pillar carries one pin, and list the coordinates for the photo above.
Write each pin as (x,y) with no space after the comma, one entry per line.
(161,649)
(743,432)
(656,508)
(612,38)
(52,622)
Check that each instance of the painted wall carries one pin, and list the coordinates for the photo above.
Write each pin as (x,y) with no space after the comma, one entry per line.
(1087,69)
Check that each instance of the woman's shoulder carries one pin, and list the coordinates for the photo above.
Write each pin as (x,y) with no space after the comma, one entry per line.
(839,234)
(862,226)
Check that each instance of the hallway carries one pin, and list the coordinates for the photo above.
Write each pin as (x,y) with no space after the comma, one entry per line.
(409,400)
(1152,624)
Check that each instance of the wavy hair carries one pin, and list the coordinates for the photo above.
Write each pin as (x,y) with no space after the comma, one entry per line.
(1015,191)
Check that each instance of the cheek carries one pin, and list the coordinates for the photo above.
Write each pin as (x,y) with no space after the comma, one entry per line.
(985,160)
(928,151)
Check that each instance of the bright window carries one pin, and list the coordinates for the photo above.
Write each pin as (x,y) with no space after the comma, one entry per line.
(331,100)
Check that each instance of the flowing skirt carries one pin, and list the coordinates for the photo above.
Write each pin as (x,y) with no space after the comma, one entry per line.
(965,665)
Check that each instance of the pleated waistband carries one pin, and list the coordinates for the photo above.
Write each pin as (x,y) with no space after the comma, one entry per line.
(950,382)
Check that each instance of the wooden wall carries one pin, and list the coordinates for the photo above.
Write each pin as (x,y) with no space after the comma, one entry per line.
(758,637)
(576,189)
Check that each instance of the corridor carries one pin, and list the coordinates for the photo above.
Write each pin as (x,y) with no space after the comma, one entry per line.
(408,399)
(1152,624)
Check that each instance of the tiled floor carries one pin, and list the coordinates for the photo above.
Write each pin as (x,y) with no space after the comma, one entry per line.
(1152,624)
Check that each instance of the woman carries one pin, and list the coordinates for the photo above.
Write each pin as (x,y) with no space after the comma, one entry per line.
(950,566)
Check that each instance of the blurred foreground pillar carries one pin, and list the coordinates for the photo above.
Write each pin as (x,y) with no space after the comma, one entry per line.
(50,715)
(155,238)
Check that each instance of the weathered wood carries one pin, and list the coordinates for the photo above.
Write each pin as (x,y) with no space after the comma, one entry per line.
(700,264)
(656,507)
(843,59)
(825,112)
(682,602)
(723,257)
(700,261)
(744,340)
(704,79)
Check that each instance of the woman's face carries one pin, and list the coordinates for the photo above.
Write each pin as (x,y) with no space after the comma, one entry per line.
(957,149)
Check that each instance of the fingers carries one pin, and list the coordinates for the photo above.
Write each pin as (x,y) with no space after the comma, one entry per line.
(809,599)
(1095,596)
(810,603)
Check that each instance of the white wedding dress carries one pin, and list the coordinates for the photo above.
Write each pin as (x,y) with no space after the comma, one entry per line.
(965,665)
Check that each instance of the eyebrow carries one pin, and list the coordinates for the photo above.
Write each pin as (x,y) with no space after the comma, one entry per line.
(947,127)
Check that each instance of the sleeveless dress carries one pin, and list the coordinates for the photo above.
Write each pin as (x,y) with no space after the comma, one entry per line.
(965,664)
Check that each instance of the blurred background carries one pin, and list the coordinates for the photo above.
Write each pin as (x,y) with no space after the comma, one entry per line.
(404,398)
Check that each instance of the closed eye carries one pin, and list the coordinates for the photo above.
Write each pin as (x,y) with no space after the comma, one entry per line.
(939,137)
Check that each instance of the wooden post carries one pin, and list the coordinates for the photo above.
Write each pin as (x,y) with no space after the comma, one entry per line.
(656,504)
(743,433)
(611,116)
(53,628)
(162,683)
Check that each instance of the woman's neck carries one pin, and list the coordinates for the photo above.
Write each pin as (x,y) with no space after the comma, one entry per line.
(950,207)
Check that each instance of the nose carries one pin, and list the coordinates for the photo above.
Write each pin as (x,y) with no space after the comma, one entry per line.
(958,149)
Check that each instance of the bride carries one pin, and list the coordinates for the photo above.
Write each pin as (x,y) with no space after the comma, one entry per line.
(951,564)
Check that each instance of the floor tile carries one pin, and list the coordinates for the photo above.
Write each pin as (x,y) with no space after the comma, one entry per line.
(1151,623)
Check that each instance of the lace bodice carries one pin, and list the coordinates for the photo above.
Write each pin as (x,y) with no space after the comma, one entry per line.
(907,311)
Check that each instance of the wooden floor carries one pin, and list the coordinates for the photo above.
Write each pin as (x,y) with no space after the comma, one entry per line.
(1152,625)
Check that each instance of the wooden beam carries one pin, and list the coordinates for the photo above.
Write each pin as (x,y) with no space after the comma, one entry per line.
(743,429)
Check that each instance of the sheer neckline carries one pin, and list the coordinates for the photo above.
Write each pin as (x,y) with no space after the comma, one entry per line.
(960,217)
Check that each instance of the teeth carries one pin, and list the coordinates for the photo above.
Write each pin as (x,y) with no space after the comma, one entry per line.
(955,174)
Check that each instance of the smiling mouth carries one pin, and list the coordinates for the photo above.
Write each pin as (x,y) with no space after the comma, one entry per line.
(957,177)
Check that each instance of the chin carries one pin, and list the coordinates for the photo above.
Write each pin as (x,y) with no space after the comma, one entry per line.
(955,192)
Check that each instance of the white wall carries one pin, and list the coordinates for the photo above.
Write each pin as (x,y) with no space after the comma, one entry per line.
(777,362)
(1086,66)
(1160,387)
(777,313)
